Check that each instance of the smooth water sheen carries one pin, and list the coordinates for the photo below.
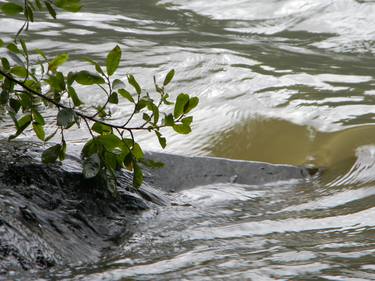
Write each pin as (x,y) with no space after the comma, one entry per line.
(282,81)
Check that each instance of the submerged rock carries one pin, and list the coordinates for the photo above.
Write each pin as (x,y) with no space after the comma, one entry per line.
(182,172)
(50,215)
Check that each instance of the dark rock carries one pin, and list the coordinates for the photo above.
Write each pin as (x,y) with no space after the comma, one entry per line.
(50,215)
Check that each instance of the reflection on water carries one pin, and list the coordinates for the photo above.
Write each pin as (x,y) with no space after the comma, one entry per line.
(278,141)
(286,81)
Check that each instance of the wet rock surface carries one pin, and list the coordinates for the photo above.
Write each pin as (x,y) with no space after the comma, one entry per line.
(50,215)
(182,172)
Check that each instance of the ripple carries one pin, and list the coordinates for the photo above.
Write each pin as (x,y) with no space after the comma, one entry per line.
(283,81)
(337,223)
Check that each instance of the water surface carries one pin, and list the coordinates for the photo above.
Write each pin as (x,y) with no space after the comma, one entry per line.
(282,81)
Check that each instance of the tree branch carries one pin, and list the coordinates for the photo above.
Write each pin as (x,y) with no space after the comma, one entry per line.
(60,105)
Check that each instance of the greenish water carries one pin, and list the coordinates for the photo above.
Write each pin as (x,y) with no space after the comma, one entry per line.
(282,81)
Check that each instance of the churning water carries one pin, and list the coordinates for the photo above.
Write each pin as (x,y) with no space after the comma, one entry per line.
(282,81)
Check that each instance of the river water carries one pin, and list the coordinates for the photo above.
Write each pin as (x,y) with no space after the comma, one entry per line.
(281,81)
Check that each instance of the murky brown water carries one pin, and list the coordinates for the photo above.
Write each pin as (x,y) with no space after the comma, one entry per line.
(282,81)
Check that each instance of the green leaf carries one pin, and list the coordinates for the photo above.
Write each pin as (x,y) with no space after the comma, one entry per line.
(158,88)
(1,43)
(101,128)
(60,81)
(62,152)
(26,101)
(169,77)
(66,118)
(24,122)
(8,85)
(146,117)
(168,120)
(73,95)
(128,142)
(181,101)
(162,140)
(39,131)
(11,9)
(15,105)
(120,156)
(117,84)
(14,119)
(38,118)
(57,61)
(140,105)
(110,142)
(113,60)
(70,78)
(51,154)
(101,111)
(50,9)
(57,82)
(29,14)
(85,77)
(137,151)
(193,102)
(137,175)
(4,97)
(19,71)
(110,160)
(182,129)
(21,125)
(187,120)
(128,162)
(124,93)
(89,148)
(24,48)
(35,85)
(13,48)
(113,98)
(39,5)
(134,83)
(5,63)
(155,111)
(91,166)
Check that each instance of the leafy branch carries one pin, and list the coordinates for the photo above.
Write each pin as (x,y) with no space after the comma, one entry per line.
(30,82)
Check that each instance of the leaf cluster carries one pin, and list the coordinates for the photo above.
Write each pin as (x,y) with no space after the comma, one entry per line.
(30,81)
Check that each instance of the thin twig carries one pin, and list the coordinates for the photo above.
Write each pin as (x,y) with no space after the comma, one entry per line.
(88,127)
(59,105)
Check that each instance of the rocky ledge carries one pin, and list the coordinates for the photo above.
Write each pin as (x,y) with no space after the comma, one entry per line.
(50,215)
